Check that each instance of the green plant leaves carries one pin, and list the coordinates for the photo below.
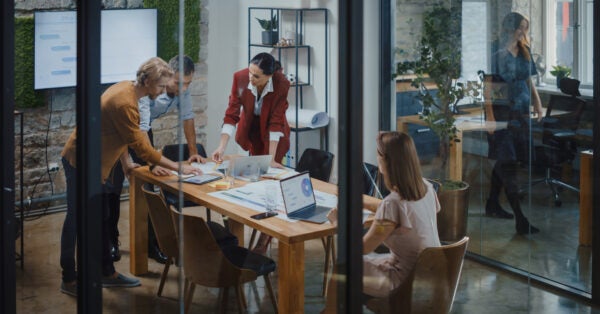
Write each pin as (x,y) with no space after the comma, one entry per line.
(560,71)
(168,23)
(268,25)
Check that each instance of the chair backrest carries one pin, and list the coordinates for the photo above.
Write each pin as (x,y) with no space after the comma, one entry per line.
(436,277)
(172,151)
(431,286)
(317,162)
(571,108)
(160,217)
(370,177)
(203,261)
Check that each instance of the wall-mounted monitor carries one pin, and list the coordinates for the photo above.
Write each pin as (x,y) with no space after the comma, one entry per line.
(128,38)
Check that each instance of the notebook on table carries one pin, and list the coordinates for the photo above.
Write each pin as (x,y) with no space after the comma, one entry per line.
(299,199)
(202,178)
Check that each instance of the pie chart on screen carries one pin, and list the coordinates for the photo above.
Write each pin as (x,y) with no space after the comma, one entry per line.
(306,187)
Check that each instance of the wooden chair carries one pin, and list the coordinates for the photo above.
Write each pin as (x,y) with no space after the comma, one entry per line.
(163,228)
(431,286)
(207,264)
(166,234)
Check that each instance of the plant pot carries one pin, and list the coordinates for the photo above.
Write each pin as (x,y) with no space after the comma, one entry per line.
(452,218)
(558,78)
(270,37)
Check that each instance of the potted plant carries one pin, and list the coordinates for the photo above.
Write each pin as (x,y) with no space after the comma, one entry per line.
(439,62)
(270,35)
(560,71)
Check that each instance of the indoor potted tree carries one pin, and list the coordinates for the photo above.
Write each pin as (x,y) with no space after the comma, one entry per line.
(439,62)
(270,35)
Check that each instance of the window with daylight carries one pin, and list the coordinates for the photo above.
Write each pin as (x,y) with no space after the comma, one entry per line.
(568,37)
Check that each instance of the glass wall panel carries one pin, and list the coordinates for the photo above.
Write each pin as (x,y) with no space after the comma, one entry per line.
(520,142)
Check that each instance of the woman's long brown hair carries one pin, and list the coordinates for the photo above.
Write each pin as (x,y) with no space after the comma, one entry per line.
(402,169)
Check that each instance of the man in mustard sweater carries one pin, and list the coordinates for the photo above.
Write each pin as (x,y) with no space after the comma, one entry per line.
(119,130)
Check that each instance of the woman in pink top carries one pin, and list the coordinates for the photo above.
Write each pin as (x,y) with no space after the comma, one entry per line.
(405,220)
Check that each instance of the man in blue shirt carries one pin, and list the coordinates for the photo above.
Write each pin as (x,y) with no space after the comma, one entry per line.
(150,110)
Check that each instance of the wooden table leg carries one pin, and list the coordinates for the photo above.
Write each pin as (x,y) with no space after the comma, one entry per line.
(237,229)
(138,228)
(291,277)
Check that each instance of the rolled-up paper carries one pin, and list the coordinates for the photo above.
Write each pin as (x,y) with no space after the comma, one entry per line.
(307,118)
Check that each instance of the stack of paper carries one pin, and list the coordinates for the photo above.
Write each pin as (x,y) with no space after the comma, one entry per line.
(278,173)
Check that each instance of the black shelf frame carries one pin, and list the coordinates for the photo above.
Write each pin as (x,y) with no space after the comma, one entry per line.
(299,33)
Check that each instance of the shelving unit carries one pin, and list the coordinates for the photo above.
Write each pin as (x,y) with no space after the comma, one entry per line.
(297,58)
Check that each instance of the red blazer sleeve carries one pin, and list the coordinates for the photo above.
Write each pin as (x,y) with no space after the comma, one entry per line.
(238,87)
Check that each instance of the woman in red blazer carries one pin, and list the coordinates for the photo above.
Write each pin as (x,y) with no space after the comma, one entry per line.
(257,105)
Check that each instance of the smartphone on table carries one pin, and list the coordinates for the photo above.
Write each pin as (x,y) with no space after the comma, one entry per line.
(263,215)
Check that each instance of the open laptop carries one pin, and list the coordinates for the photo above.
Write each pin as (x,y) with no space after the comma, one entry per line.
(243,166)
(299,199)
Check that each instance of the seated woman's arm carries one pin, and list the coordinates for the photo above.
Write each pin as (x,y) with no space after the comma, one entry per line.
(378,232)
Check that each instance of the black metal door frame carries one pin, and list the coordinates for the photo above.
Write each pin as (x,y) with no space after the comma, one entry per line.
(7,159)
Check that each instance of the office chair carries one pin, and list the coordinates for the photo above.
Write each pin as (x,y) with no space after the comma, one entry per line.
(559,144)
(431,286)
(370,180)
(317,162)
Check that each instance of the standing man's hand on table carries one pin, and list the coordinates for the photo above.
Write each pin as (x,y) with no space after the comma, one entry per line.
(189,169)
(197,158)
(160,171)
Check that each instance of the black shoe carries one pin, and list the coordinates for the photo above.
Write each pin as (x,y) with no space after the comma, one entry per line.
(115,253)
(493,209)
(155,253)
(524,227)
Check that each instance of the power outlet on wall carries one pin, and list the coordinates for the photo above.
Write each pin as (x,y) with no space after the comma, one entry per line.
(52,167)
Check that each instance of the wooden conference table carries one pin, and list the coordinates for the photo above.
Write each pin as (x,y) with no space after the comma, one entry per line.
(291,235)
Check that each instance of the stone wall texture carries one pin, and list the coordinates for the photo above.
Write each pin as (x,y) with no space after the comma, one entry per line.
(47,128)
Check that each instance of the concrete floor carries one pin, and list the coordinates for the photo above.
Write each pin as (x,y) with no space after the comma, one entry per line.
(481,289)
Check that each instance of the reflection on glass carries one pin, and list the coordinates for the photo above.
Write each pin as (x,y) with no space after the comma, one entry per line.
(554,252)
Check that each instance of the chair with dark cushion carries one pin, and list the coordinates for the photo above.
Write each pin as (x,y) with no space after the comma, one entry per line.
(209,265)
(166,234)
(558,146)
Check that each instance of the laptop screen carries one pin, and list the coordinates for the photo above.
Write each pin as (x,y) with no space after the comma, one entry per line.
(297,192)
(243,166)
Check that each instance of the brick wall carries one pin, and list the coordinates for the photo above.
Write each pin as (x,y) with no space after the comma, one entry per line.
(46,129)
